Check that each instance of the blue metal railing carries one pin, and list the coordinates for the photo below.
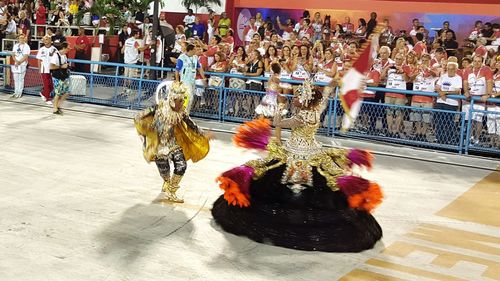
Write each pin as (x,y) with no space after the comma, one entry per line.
(448,130)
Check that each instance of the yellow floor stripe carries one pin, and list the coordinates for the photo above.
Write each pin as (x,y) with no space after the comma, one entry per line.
(412,270)
(480,204)
(359,274)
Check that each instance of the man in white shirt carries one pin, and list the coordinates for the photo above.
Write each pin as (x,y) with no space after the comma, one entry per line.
(189,22)
(130,51)
(11,29)
(449,83)
(43,57)
(20,53)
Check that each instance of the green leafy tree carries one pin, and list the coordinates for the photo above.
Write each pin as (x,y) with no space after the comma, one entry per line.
(136,5)
(103,8)
(189,4)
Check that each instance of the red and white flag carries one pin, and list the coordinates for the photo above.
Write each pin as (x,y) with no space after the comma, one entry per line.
(353,84)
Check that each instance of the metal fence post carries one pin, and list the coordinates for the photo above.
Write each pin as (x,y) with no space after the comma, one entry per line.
(91,83)
(335,103)
(329,129)
(469,127)
(116,85)
(223,103)
(462,133)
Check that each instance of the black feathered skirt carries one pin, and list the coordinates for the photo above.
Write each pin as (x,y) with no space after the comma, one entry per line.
(314,219)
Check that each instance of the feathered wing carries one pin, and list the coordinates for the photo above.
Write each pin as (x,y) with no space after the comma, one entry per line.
(253,134)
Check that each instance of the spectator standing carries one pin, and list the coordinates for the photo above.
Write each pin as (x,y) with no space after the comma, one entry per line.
(43,57)
(287,28)
(368,109)
(24,25)
(20,53)
(372,23)
(414,28)
(122,37)
(450,45)
(347,26)
(224,24)
(210,26)
(478,82)
(185,72)
(249,30)
(255,68)
(189,22)
(338,31)
(382,65)
(487,32)
(395,80)
(317,27)
(199,29)
(387,35)
(327,23)
(82,47)
(41,17)
(481,50)
(73,11)
(326,69)
(449,83)
(420,47)
(60,76)
(400,48)
(437,56)
(305,30)
(425,81)
(446,28)
(130,51)
(145,26)
(11,29)
(361,30)
(476,31)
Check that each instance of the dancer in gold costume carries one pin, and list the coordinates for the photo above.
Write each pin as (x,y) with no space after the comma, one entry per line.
(300,196)
(170,136)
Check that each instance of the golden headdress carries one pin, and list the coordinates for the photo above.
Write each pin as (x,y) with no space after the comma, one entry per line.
(305,92)
(177,91)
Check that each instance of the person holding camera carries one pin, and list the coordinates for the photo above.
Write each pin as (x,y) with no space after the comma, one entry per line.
(20,53)
(59,68)
(185,71)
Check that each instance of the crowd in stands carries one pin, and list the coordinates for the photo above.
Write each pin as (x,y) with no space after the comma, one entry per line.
(415,58)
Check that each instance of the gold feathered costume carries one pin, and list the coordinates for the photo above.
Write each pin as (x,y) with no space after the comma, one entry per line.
(170,135)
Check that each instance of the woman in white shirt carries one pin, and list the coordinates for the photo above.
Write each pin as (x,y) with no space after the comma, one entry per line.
(20,53)
(60,76)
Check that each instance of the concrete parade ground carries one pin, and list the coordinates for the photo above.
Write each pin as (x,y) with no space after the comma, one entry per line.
(78,202)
